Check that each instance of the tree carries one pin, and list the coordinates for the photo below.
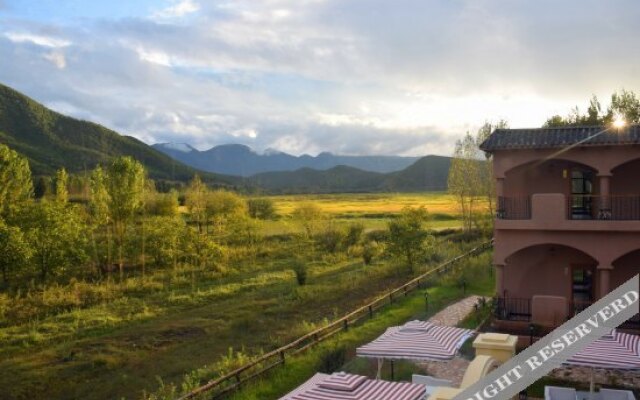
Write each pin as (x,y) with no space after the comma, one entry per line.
(163,239)
(625,105)
(62,182)
(310,217)
(125,185)
(15,251)
(196,202)
(99,211)
(261,208)
(16,187)
(486,180)
(41,187)
(465,180)
(407,234)
(57,235)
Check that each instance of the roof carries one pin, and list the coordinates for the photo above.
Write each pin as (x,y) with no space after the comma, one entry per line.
(543,138)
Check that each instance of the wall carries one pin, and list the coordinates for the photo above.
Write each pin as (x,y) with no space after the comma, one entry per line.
(625,268)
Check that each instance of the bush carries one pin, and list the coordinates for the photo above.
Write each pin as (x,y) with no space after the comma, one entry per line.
(354,234)
(330,240)
(261,208)
(300,269)
(332,359)
(369,251)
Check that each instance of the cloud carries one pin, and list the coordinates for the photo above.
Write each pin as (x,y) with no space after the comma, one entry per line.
(177,10)
(57,58)
(40,40)
(357,77)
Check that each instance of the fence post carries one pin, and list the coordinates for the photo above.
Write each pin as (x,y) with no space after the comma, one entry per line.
(282,356)
(346,324)
(370,311)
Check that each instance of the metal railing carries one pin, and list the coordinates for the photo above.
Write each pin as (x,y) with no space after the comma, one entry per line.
(612,207)
(231,381)
(512,309)
(514,207)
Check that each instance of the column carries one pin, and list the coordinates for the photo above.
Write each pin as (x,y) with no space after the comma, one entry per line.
(604,211)
(604,280)
(499,279)
(500,211)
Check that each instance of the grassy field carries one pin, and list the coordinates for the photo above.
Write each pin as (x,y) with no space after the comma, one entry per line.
(101,340)
(373,210)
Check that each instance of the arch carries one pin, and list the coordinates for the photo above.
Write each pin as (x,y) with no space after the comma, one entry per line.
(624,159)
(480,367)
(624,178)
(630,254)
(530,161)
(547,269)
(586,250)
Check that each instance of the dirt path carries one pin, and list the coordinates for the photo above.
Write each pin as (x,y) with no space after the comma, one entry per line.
(454,369)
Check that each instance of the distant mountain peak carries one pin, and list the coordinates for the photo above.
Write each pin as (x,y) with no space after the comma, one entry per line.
(183,147)
(270,151)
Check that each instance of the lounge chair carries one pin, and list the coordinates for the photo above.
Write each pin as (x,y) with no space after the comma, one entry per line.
(611,394)
(559,393)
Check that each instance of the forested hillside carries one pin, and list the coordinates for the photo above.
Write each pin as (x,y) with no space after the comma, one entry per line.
(51,140)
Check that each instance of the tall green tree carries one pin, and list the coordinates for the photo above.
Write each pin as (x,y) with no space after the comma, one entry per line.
(62,186)
(125,185)
(99,213)
(57,235)
(16,187)
(15,251)
(196,202)
(407,234)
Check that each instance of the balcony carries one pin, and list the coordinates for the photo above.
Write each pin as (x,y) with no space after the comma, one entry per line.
(519,310)
(555,212)
(613,208)
(583,207)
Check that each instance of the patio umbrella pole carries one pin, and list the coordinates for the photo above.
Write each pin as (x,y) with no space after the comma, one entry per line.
(392,378)
(380,363)
(592,383)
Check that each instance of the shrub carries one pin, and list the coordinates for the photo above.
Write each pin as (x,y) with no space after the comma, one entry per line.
(330,239)
(369,251)
(261,208)
(354,234)
(332,359)
(300,269)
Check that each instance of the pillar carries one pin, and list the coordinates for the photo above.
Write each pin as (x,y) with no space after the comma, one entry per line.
(500,211)
(604,211)
(499,346)
(499,279)
(604,280)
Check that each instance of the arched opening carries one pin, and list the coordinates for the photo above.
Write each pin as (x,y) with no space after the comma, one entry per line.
(577,182)
(625,268)
(551,270)
(625,191)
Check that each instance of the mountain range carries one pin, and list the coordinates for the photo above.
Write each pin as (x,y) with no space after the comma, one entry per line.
(50,140)
(241,160)
(428,173)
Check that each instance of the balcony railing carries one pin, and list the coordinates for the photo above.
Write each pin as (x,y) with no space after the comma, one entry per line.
(512,309)
(514,207)
(614,207)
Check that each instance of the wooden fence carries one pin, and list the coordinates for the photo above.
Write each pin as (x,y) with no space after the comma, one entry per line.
(228,383)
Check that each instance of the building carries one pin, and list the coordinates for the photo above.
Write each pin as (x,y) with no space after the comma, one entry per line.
(567,229)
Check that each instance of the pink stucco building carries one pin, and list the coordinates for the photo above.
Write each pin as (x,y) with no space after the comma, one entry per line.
(567,229)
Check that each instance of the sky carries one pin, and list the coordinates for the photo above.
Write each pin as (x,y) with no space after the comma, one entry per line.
(394,77)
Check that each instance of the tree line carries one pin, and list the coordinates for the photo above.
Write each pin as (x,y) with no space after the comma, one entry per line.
(125,225)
